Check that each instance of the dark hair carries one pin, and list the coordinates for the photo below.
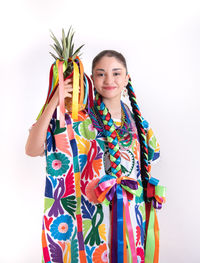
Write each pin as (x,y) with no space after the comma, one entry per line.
(109,53)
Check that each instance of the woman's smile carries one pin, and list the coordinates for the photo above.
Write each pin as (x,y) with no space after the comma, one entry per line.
(109,87)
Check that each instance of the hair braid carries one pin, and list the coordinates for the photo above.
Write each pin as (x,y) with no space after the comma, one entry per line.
(142,137)
(111,135)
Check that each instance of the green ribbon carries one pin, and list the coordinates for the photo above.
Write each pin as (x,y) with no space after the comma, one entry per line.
(150,240)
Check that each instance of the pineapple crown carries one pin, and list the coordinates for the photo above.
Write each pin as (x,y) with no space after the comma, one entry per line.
(68,62)
(65,49)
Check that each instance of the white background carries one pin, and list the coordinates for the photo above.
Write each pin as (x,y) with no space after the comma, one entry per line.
(161,41)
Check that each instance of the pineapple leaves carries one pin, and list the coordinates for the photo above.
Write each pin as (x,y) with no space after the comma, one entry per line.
(53,56)
(65,49)
(64,53)
(76,52)
(57,50)
(72,50)
(71,45)
(56,41)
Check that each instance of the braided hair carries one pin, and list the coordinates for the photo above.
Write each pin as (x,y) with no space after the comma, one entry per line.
(109,127)
(111,134)
(142,137)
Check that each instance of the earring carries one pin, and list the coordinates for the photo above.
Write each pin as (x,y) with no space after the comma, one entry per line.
(124,92)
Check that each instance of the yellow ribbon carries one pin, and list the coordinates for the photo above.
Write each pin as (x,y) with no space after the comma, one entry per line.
(75,92)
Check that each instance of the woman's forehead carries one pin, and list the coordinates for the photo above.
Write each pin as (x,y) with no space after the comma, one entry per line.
(110,63)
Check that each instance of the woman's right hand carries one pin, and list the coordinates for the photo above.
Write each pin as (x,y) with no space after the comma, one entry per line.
(68,88)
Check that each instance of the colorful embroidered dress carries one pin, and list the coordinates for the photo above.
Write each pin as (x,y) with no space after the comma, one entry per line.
(75,229)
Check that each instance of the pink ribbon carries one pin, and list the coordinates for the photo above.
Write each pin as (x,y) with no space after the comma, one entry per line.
(129,228)
(61,94)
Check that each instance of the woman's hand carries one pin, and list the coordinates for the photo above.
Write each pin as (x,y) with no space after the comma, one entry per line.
(68,88)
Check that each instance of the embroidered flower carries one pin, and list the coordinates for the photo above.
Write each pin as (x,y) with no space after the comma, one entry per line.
(57,164)
(87,129)
(140,254)
(62,227)
(90,193)
(100,254)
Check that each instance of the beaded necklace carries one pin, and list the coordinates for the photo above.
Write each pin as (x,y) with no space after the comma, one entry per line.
(123,131)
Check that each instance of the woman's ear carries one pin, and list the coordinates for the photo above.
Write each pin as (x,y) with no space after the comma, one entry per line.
(127,79)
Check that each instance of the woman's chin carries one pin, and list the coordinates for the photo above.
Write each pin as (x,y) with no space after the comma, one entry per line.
(111,96)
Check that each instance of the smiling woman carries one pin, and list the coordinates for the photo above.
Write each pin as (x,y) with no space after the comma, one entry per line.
(110,78)
(100,199)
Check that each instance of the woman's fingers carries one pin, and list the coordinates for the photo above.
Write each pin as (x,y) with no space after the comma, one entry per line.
(68,81)
(68,92)
(68,88)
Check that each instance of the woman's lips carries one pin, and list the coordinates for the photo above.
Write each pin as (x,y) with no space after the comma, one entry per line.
(109,87)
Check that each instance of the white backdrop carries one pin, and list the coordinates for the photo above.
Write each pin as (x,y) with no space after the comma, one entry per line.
(161,41)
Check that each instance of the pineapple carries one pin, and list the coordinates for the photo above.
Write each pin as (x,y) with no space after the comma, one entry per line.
(65,52)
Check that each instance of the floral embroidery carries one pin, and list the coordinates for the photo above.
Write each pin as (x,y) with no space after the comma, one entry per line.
(57,164)
(90,193)
(140,254)
(62,227)
(100,254)
(87,130)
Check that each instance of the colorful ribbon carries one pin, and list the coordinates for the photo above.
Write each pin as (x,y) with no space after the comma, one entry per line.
(75,96)
(61,93)
(119,191)
(79,79)
(156,194)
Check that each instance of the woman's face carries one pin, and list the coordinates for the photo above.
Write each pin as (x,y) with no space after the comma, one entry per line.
(109,77)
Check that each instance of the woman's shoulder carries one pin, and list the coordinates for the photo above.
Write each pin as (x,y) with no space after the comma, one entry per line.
(145,123)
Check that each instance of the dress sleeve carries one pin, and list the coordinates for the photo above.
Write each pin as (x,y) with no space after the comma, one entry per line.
(153,145)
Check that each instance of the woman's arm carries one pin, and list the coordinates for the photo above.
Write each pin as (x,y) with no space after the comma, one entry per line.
(37,136)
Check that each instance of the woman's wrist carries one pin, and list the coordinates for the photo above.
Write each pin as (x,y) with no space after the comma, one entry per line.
(55,100)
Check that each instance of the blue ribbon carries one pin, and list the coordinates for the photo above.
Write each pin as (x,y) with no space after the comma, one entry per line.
(119,219)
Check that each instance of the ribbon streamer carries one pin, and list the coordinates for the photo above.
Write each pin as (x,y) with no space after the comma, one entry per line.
(129,228)
(61,93)
(56,77)
(157,195)
(75,97)
(81,81)
(115,189)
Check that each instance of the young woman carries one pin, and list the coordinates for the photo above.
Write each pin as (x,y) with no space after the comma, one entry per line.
(99,197)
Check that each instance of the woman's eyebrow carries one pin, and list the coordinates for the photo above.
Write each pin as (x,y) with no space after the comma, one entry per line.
(100,69)
(114,69)
(117,69)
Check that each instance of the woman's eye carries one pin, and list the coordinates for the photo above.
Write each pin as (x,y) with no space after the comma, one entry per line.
(116,74)
(100,75)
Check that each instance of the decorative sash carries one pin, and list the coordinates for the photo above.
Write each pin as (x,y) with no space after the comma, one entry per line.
(119,191)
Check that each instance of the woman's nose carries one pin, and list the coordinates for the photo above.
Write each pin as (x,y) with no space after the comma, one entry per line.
(108,79)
